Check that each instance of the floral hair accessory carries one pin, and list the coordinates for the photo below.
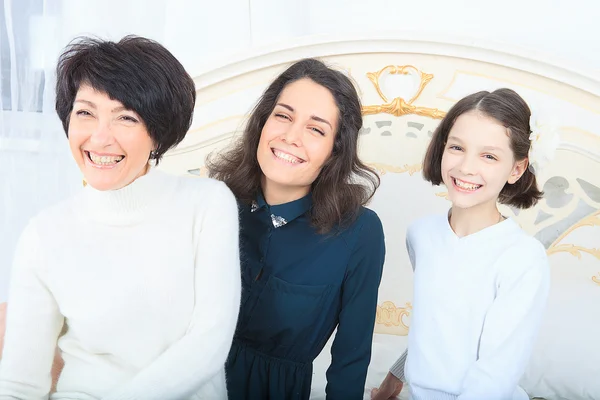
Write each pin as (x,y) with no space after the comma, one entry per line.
(544,139)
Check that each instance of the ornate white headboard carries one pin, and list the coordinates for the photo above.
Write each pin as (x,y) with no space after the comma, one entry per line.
(407,85)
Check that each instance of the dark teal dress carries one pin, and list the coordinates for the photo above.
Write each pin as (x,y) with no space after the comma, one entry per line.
(298,286)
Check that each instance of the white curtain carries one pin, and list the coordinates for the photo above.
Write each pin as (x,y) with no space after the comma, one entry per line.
(36,169)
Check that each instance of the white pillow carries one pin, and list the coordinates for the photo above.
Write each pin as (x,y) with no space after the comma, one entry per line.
(565,364)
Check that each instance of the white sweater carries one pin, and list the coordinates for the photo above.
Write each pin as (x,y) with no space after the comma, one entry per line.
(147,281)
(477,308)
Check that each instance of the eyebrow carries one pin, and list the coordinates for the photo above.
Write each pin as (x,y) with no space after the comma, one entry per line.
(89,103)
(313,117)
(493,148)
(488,148)
(92,105)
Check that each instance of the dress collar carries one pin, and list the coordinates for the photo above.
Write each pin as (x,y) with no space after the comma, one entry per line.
(282,214)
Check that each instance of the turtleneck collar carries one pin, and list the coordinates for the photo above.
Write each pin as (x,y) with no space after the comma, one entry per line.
(125,205)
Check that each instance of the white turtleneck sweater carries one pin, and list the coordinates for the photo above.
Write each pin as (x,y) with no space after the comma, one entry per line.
(146,279)
(477,307)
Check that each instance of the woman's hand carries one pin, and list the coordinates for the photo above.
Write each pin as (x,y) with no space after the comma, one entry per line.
(390,388)
(57,367)
(58,364)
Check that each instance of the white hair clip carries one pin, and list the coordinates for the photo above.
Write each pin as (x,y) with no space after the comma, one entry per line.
(545,139)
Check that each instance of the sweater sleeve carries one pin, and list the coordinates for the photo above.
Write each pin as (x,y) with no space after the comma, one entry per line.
(398,368)
(200,354)
(509,331)
(351,349)
(32,327)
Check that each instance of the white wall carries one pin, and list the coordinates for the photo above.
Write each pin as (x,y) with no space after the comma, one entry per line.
(202,32)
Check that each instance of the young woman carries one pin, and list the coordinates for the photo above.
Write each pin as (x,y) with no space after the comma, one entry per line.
(141,269)
(481,282)
(312,255)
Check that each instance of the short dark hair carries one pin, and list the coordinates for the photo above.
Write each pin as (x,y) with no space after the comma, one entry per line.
(344,183)
(508,108)
(138,72)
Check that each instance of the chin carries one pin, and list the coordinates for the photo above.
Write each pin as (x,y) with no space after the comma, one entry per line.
(104,183)
(279,178)
(103,186)
(466,203)
(463,201)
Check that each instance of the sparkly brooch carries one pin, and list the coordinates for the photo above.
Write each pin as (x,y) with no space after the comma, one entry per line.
(278,221)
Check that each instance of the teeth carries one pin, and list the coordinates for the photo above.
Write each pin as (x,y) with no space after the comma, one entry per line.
(465,185)
(105,160)
(286,157)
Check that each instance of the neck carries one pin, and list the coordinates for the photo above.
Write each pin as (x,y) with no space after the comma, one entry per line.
(276,194)
(466,221)
(127,203)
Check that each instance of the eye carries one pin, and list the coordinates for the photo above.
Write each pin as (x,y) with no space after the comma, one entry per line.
(128,118)
(279,115)
(455,147)
(490,157)
(318,131)
(83,113)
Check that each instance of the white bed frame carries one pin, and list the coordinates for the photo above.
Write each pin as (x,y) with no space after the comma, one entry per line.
(406,86)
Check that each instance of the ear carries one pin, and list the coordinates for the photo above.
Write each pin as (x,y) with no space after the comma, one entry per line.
(518,170)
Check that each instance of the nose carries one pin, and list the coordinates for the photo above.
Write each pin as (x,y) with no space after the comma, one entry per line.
(468,165)
(293,135)
(101,136)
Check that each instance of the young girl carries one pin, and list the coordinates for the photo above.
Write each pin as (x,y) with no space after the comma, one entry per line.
(312,255)
(481,282)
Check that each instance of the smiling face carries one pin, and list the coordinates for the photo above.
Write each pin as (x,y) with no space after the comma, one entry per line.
(478,161)
(297,139)
(109,143)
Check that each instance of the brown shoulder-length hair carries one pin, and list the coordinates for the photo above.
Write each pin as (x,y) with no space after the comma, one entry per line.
(509,109)
(344,183)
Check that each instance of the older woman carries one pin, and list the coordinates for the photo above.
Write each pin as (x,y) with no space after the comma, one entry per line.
(141,269)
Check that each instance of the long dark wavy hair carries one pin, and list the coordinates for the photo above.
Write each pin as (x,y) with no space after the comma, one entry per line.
(344,183)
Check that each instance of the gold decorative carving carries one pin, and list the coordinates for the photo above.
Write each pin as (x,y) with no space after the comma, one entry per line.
(382,169)
(403,70)
(390,315)
(591,220)
(398,106)
(596,279)
(575,250)
(442,194)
